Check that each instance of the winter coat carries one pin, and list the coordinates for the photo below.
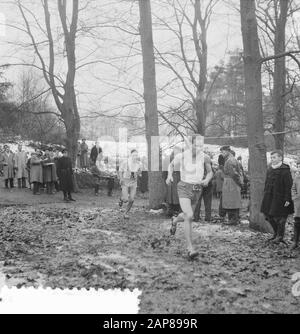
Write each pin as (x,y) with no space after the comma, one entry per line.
(219,176)
(20,163)
(65,174)
(231,189)
(83,155)
(49,170)
(94,153)
(296,195)
(36,170)
(277,192)
(8,162)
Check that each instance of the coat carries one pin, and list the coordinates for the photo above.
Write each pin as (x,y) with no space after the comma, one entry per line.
(94,153)
(65,174)
(296,195)
(219,176)
(231,189)
(20,163)
(36,170)
(277,192)
(84,155)
(8,162)
(49,171)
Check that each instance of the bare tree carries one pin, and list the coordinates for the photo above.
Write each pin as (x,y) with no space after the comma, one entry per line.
(61,86)
(192,70)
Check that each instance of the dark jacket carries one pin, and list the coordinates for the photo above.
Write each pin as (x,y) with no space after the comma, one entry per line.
(65,174)
(277,192)
(94,153)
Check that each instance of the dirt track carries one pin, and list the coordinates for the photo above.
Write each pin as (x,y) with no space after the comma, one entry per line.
(88,244)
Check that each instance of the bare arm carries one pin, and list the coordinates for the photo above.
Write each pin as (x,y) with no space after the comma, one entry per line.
(171,168)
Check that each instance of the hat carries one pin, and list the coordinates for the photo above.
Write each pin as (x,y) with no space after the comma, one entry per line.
(225,148)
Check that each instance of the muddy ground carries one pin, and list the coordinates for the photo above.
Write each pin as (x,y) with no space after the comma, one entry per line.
(44,241)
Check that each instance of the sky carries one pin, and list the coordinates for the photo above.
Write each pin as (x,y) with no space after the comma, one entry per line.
(98,85)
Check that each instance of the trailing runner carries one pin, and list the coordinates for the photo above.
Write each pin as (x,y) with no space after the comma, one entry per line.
(128,174)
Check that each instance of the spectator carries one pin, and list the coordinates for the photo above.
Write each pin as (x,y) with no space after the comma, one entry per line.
(65,175)
(277,202)
(20,162)
(96,153)
(84,154)
(231,201)
(8,162)
(36,171)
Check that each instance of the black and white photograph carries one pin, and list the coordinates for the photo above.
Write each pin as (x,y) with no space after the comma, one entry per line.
(150,147)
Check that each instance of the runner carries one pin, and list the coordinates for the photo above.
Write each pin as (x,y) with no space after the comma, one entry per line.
(191,163)
(128,174)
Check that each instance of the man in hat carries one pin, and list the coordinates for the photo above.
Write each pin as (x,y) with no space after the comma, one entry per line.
(277,202)
(191,164)
(231,201)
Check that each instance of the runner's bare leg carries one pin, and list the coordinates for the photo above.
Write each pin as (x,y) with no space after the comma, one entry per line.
(187,209)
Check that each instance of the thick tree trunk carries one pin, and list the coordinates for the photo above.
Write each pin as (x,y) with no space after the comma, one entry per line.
(255,130)
(279,87)
(72,125)
(200,106)
(156,185)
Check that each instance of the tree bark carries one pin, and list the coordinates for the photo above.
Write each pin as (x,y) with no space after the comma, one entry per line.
(255,129)
(279,86)
(156,185)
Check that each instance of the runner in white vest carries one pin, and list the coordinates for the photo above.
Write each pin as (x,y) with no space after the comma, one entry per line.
(191,163)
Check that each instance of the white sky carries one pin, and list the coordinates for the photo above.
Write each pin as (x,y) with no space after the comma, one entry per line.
(93,94)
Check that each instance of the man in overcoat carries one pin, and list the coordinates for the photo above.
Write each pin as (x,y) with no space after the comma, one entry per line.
(20,163)
(84,154)
(8,162)
(65,175)
(277,202)
(231,201)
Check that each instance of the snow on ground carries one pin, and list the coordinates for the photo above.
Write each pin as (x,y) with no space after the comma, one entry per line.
(110,149)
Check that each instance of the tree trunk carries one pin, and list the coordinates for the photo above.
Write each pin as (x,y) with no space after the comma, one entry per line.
(279,86)
(200,106)
(255,130)
(156,185)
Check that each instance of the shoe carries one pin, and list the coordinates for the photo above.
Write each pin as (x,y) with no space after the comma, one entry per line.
(72,199)
(173,226)
(121,203)
(192,255)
